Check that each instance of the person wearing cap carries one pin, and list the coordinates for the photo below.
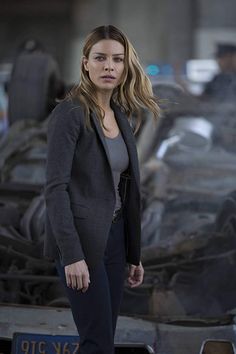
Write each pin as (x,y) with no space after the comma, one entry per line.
(223,85)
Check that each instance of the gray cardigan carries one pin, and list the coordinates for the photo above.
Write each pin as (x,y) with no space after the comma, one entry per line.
(79,189)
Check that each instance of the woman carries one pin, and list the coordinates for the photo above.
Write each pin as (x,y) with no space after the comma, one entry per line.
(92,186)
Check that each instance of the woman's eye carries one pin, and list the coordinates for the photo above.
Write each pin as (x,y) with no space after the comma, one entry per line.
(119,59)
(100,58)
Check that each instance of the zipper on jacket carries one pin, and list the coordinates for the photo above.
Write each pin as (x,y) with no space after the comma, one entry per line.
(124,181)
(59,252)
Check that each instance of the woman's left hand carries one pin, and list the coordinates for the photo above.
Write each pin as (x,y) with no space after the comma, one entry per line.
(136,273)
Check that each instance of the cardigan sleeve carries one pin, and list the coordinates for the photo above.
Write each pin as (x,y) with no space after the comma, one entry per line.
(62,135)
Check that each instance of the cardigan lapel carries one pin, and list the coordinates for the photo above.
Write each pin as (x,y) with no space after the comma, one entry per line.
(128,137)
(100,134)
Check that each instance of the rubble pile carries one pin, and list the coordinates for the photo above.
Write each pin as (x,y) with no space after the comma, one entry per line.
(188,213)
(188,222)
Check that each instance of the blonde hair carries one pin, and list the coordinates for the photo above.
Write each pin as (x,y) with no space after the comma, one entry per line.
(133,93)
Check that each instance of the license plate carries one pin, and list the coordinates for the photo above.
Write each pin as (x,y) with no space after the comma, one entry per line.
(27,343)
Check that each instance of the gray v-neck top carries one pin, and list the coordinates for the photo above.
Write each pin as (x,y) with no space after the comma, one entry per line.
(119,160)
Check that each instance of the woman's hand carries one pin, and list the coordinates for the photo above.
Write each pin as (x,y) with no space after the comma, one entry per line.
(136,273)
(77,276)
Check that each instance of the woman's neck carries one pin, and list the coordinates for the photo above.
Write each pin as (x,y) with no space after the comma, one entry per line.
(103,99)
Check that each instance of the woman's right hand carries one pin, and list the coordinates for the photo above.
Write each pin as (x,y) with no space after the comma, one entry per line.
(77,276)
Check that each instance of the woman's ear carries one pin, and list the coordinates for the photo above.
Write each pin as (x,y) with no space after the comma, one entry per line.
(85,63)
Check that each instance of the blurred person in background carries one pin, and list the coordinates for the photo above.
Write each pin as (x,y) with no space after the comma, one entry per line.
(3,109)
(92,190)
(35,83)
(234,62)
(223,85)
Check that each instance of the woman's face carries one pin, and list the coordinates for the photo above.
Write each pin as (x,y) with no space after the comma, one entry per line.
(105,64)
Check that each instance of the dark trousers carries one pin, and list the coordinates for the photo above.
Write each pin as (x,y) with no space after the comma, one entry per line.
(95,312)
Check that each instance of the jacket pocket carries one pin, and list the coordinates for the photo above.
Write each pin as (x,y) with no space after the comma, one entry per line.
(79,210)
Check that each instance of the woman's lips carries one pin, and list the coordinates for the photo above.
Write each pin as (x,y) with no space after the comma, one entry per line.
(108,77)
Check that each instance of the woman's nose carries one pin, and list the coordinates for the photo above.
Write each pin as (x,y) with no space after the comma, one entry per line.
(109,65)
